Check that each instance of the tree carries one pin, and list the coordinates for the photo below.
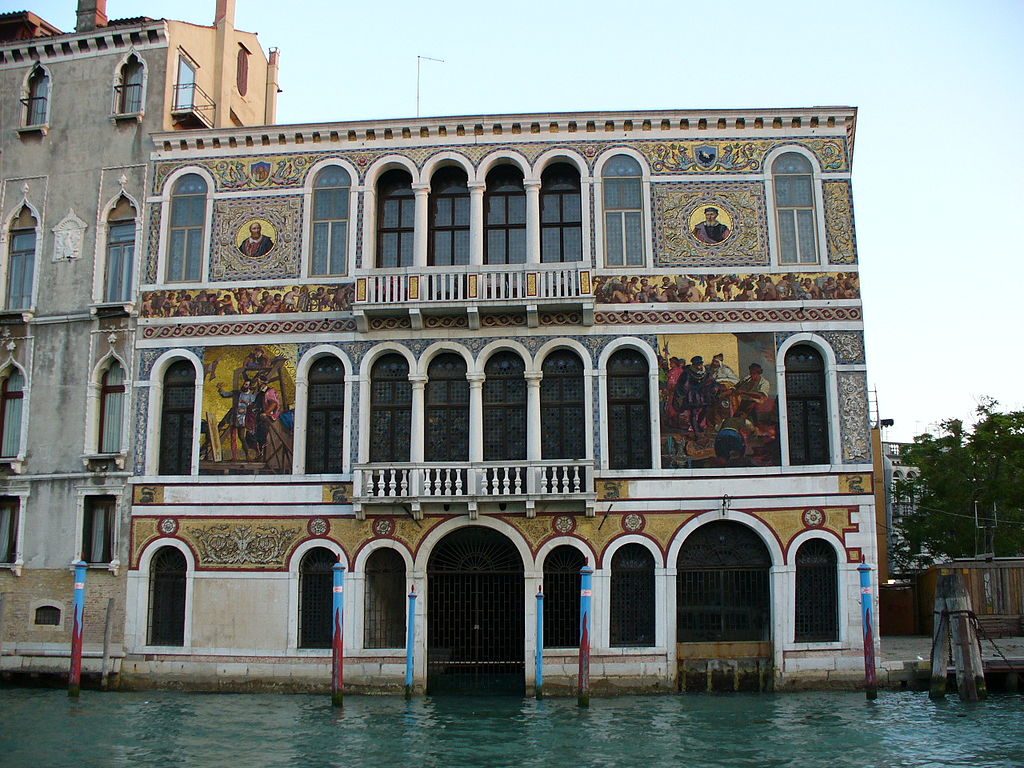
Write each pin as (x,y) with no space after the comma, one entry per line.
(960,470)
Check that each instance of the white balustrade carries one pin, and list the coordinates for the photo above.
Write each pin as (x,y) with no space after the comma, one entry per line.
(488,479)
(493,283)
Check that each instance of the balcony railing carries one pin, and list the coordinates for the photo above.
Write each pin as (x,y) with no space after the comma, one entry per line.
(193,107)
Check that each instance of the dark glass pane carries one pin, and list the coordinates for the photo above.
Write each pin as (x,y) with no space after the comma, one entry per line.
(447,410)
(384,603)
(167,588)
(316,598)
(563,418)
(390,409)
(562,597)
(629,428)
(806,406)
(817,593)
(632,612)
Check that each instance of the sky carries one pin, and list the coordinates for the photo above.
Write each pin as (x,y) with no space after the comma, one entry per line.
(938,168)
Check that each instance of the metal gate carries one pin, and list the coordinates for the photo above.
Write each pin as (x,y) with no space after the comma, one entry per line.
(475,622)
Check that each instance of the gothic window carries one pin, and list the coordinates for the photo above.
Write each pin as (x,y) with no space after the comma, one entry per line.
(623,212)
(12,396)
(8,528)
(562,597)
(390,410)
(629,411)
(98,529)
(562,413)
(188,217)
(316,598)
(384,604)
(561,214)
(117,282)
(37,98)
(793,179)
(447,410)
(325,416)
(330,221)
(817,593)
(396,219)
(167,573)
(504,408)
(176,419)
(112,396)
(448,237)
(128,92)
(505,216)
(632,597)
(21,260)
(806,406)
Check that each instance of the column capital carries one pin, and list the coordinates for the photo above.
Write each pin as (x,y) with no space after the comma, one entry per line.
(475,379)
(417,380)
(531,184)
(421,188)
(477,187)
(533,378)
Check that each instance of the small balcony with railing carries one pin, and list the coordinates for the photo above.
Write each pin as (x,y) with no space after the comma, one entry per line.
(192,107)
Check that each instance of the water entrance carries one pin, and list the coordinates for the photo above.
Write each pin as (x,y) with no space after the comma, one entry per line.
(475,614)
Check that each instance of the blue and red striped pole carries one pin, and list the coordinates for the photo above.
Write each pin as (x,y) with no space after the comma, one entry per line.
(338,637)
(78,613)
(586,591)
(867,621)
(410,643)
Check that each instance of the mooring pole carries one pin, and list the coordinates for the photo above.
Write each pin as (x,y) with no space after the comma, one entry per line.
(539,662)
(867,621)
(108,633)
(586,590)
(75,675)
(970,674)
(338,638)
(410,643)
(940,642)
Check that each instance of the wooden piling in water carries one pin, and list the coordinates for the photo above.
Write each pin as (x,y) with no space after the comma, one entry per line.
(108,632)
(940,645)
(970,674)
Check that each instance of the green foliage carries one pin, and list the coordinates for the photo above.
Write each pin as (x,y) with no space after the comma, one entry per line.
(958,467)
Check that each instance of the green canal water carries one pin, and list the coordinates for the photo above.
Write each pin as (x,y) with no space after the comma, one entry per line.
(41,728)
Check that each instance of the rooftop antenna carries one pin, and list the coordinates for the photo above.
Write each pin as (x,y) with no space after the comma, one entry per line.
(418,60)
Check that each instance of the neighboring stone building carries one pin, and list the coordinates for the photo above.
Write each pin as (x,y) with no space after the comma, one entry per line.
(471,355)
(76,114)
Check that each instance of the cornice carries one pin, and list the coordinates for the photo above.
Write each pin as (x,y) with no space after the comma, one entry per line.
(99,42)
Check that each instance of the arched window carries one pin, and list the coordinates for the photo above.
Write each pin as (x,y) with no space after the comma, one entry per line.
(562,597)
(396,219)
(112,395)
(562,411)
(504,408)
(128,97)
(623,212)
(806,406)
(37,99)
(176,419)
(330,221)
(167,573)
(325,416)
(505,216)
(117,283)
(561,214)
(12,394)
(629,411)
(188,216)
(242,71)
(390,410)
(793,179)
(446,419)
(448,240)
(632,597)
(316,598)
(47,616)
(384,603)
(817,593)
(21,260)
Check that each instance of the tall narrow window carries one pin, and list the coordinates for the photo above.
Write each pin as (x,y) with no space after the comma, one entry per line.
(504,408)
(188,215)
(396,219)
(325,416)
(562,597)
(561,214)
(117,283)
(112,394)
(316,582)
(11,394)
(129,89)
(37,100)
(384,604)
(623,212)
(176,419)
(793,179)
(242,71)
(167,589)
(185,89)
(8,529)
(390,410)
(562,409)
(330,221)
(632,597)
(447,410)
(806,406)
(448,240)
(21,260)
(505,216)
(817,593)
(98,529)
(629,411)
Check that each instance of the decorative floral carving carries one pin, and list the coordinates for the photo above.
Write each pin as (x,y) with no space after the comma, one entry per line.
(318,526)
(168,526)
(813,518)
(848,345)
(725,156)
(68,237)
(383,526)
(563,524)
(842,243)
(229,544)
(633,522)
(853,417)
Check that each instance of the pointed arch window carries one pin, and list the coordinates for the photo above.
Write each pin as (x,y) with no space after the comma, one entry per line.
(448,237)
(793,179)
(167,589)
(629,411)
(12,394)
(325,416)
(177,420)
(128,91)
(396,220)
(817,593)
(316,582)
(188,218)
(562,407)
(505,216)
(447,410)
(632,597)
(37,98)
(117,282)
(330,221)
(806,406)
(504,413)
(561,214)
(390,410)
(623,212)
(112,397)
(384,602)
(21,260)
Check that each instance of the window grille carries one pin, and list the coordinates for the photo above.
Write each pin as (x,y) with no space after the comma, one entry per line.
(47,616)
(390,410)
(817,593)
(316,598)
(505,216)
(384,603)
(561,214)
(504,412)
(793,179)
(448,238)
(623,212)
(188,216)
(396,220)
(325,416)
(330,221)
(562,597)
(806,406)
(447,410)
(176,420)
(562,407)
(629,411)
(632,597)
(167,597)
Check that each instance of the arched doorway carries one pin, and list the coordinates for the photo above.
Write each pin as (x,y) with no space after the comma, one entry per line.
(475,622)
(167,589)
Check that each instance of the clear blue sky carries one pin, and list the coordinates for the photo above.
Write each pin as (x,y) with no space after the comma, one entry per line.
(938,163)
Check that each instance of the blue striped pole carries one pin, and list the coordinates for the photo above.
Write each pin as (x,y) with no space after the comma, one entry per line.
(539,663)
(583,683)
(75,675)
(338,637)
(410,643)
(867,622)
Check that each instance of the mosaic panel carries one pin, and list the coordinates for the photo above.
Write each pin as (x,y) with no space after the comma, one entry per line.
(848,346)
(731,156)
(788,286)
(152,245)
(237,329)
(256,238)
(854,429)
(797,315)
(839,232)
(262,300)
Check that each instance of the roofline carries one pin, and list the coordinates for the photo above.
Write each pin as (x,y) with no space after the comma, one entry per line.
(66,37)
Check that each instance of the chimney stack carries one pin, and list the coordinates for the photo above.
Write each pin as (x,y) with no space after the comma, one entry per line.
(91,14)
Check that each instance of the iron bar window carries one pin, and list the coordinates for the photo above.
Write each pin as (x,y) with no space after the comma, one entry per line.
(390,409)
(176,419)
(562,407)
(632,597)
(325,416)
(167,597)
(384,601)
(316,598)
(562,597)
(629,411)
(817,593)
(806,406)
(504,409)
(447,410)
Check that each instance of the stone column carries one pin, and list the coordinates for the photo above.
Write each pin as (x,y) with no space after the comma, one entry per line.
(419,385)
(532,220)
(476,416)
(476,222)
(419,251)
(533,425)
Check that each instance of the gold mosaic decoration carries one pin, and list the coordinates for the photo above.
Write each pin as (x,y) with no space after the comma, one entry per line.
(693,156)
(609,490)
(338,493)
(743,202)
(148,494)
(842,247)
(858,483)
